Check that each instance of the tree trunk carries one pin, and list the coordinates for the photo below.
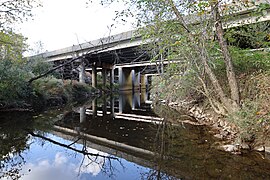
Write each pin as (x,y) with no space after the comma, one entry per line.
(235,95)
(230,104)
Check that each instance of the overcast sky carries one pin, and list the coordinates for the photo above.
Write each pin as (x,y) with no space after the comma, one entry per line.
(62,23)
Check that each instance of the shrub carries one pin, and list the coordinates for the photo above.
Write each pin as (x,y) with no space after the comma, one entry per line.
(38,65)
(254,116)
(13,85)
(58,92)
(249,36)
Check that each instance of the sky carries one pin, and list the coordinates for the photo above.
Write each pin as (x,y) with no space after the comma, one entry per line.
(62,23)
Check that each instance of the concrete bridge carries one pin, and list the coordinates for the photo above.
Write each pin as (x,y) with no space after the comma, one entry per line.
(116,58)
(120,58)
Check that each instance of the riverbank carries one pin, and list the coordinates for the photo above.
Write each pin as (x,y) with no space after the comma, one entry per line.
(50,92)
(246,129)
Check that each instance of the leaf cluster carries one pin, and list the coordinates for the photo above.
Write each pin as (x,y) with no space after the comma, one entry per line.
(12,46)
(15,11)
(251,36)
(13,85)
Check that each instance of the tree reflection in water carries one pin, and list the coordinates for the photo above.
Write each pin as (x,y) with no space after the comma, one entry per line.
(102,160)
(17,134)
(160,150)
(13,143)
(159,171)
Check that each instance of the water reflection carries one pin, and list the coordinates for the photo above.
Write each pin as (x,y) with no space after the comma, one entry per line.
(116,137)
(67,160)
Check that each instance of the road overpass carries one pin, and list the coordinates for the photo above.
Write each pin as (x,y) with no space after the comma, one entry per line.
(120,58)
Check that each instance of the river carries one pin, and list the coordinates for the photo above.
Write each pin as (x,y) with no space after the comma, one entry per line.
(116,137)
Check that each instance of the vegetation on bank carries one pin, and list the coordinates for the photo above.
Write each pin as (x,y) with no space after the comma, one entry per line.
(253,74)
(210,72)
(17,92)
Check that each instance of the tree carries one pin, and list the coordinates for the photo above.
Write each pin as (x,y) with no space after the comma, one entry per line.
(15,10)
(186,30)
(12,46)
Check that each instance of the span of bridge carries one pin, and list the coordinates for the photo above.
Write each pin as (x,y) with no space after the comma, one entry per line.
(120,58)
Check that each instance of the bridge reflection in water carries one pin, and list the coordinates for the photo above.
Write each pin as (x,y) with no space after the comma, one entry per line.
(123,121)
(123,126)
(120,136)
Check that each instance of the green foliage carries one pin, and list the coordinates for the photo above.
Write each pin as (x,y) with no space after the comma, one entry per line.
(12,46)
(49,86)
(57,92)
(176,88)
(39,66)
(13,85)
(14,72)
(250,36)
(251,61)
(81,91)
(249,121)
(245,62)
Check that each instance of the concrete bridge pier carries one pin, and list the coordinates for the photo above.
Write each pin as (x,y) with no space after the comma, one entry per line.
(94,107)
(136,81)
(104,106)
(112,79)
(104,78)
(144,81)
(112,106)
(120,78)
(128,79)
(125,79)
(82,71)
(121,104)
(94,76)
(82,114)
(132,76)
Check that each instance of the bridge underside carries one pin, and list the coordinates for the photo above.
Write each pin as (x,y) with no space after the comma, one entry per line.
(129,68)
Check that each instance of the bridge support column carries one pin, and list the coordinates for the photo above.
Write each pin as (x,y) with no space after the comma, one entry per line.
(112,79)
(104,106)
(112,106)
(104,78)
(120,77)
(126,79)
(94,76)
(82,114)
(82,72)
(121,104)
(94,107)
(133,79)
(144,81)
(138,81)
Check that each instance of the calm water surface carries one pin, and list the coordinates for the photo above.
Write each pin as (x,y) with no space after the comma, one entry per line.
(116,138)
